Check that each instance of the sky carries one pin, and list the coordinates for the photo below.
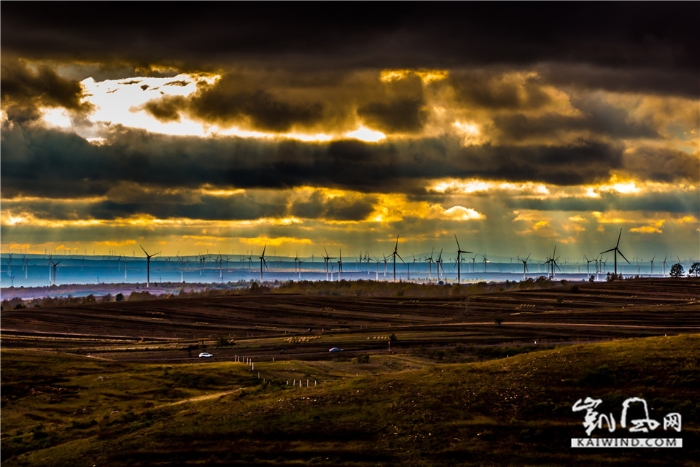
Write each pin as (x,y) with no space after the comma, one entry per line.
(225,127)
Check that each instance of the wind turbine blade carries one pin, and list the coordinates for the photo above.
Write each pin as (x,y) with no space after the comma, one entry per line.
(458,247)
(263,253)
(144,250)
(623,256)
(404,262)
(607,251)
(618,239)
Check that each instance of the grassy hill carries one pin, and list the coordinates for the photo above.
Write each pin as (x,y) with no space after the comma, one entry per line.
(66,410)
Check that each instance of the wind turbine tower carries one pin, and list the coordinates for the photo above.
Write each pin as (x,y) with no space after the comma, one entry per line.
(262,261)
(524,261)
(459,260)
(326,260)
(148,266)
(395,254)
(430,265)
(438,264)
(615,251)
(340,264)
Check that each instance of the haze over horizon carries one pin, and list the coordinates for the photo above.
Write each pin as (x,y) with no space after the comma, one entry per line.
(226,127)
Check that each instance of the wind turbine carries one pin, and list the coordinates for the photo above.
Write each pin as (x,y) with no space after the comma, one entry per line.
(376,270)
(588,265)
(395,254)
(651,270)
(459,262)
(474,263)
(616,250)
(340,264)
(430,265)
(148,266)
(220,261)
(9,264)
(182,268)
(485,261)
(664,265)
(53,268)
(524,261)
(385,264)
(326,260)
(553,261)
(438,263)
(262,261)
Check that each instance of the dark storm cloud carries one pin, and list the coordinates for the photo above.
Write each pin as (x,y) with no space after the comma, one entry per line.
(661,164)
(264,110)
(25,89)
(683,83)
(41,162)
(234,99)
(402,116)
(280,101)
(338,208)
(679,202)
(658,37)
(166,109)
(236,207)
(134,200)
(489,90)
(597,116)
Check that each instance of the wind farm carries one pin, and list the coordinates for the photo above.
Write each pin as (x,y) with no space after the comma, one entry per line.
(447,267)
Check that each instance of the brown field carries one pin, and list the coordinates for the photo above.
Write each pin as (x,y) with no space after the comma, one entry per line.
(306,326)
(121,384)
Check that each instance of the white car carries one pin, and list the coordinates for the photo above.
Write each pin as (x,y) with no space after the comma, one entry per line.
(205,355)
(335,349)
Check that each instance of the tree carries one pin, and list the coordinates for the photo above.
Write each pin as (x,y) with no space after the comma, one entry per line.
(677,270)
(694,270)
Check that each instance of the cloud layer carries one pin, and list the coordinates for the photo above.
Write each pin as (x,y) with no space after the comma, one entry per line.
(282,118)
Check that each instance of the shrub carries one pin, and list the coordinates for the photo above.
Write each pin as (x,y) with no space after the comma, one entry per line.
(694,270)
(677,270)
